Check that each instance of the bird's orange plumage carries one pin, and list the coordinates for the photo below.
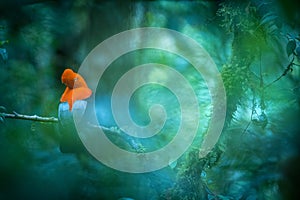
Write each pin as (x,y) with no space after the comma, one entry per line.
(77,88)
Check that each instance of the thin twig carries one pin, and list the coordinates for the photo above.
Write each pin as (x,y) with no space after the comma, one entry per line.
(138,147)
(261,84)
(112,129)
(296,64)
(246,128)
(252,112)
(287,69)
(16,115)
(250,121)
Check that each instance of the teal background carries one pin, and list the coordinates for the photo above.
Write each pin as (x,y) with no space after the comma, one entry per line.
(252,43)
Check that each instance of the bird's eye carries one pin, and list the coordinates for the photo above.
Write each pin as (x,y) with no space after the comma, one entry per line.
(75,79)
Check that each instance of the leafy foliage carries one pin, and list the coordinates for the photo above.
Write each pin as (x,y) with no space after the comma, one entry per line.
(254,32)
(237,80)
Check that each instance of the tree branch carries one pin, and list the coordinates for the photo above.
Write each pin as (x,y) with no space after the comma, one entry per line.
(16,115)
(134,144)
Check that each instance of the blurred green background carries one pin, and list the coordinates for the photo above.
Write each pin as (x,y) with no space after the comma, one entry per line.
(255,45)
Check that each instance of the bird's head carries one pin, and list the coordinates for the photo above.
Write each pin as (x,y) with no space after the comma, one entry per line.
(68,78)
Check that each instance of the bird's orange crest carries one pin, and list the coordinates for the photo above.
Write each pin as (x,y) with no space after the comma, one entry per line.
(76,89)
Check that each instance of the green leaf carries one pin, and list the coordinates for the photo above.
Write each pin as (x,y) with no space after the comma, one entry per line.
(2,109)
(3,54)
(272,29)
(298,52)
(1,117)
(290,47)
(270,17)
(3,42)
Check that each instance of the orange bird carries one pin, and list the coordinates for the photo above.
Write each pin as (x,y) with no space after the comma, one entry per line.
(77,88)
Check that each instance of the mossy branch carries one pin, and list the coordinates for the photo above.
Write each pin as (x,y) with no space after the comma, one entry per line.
(36,118)
(16,115)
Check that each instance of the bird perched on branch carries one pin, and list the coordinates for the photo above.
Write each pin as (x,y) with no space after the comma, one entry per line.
(76,89)
(72,100)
